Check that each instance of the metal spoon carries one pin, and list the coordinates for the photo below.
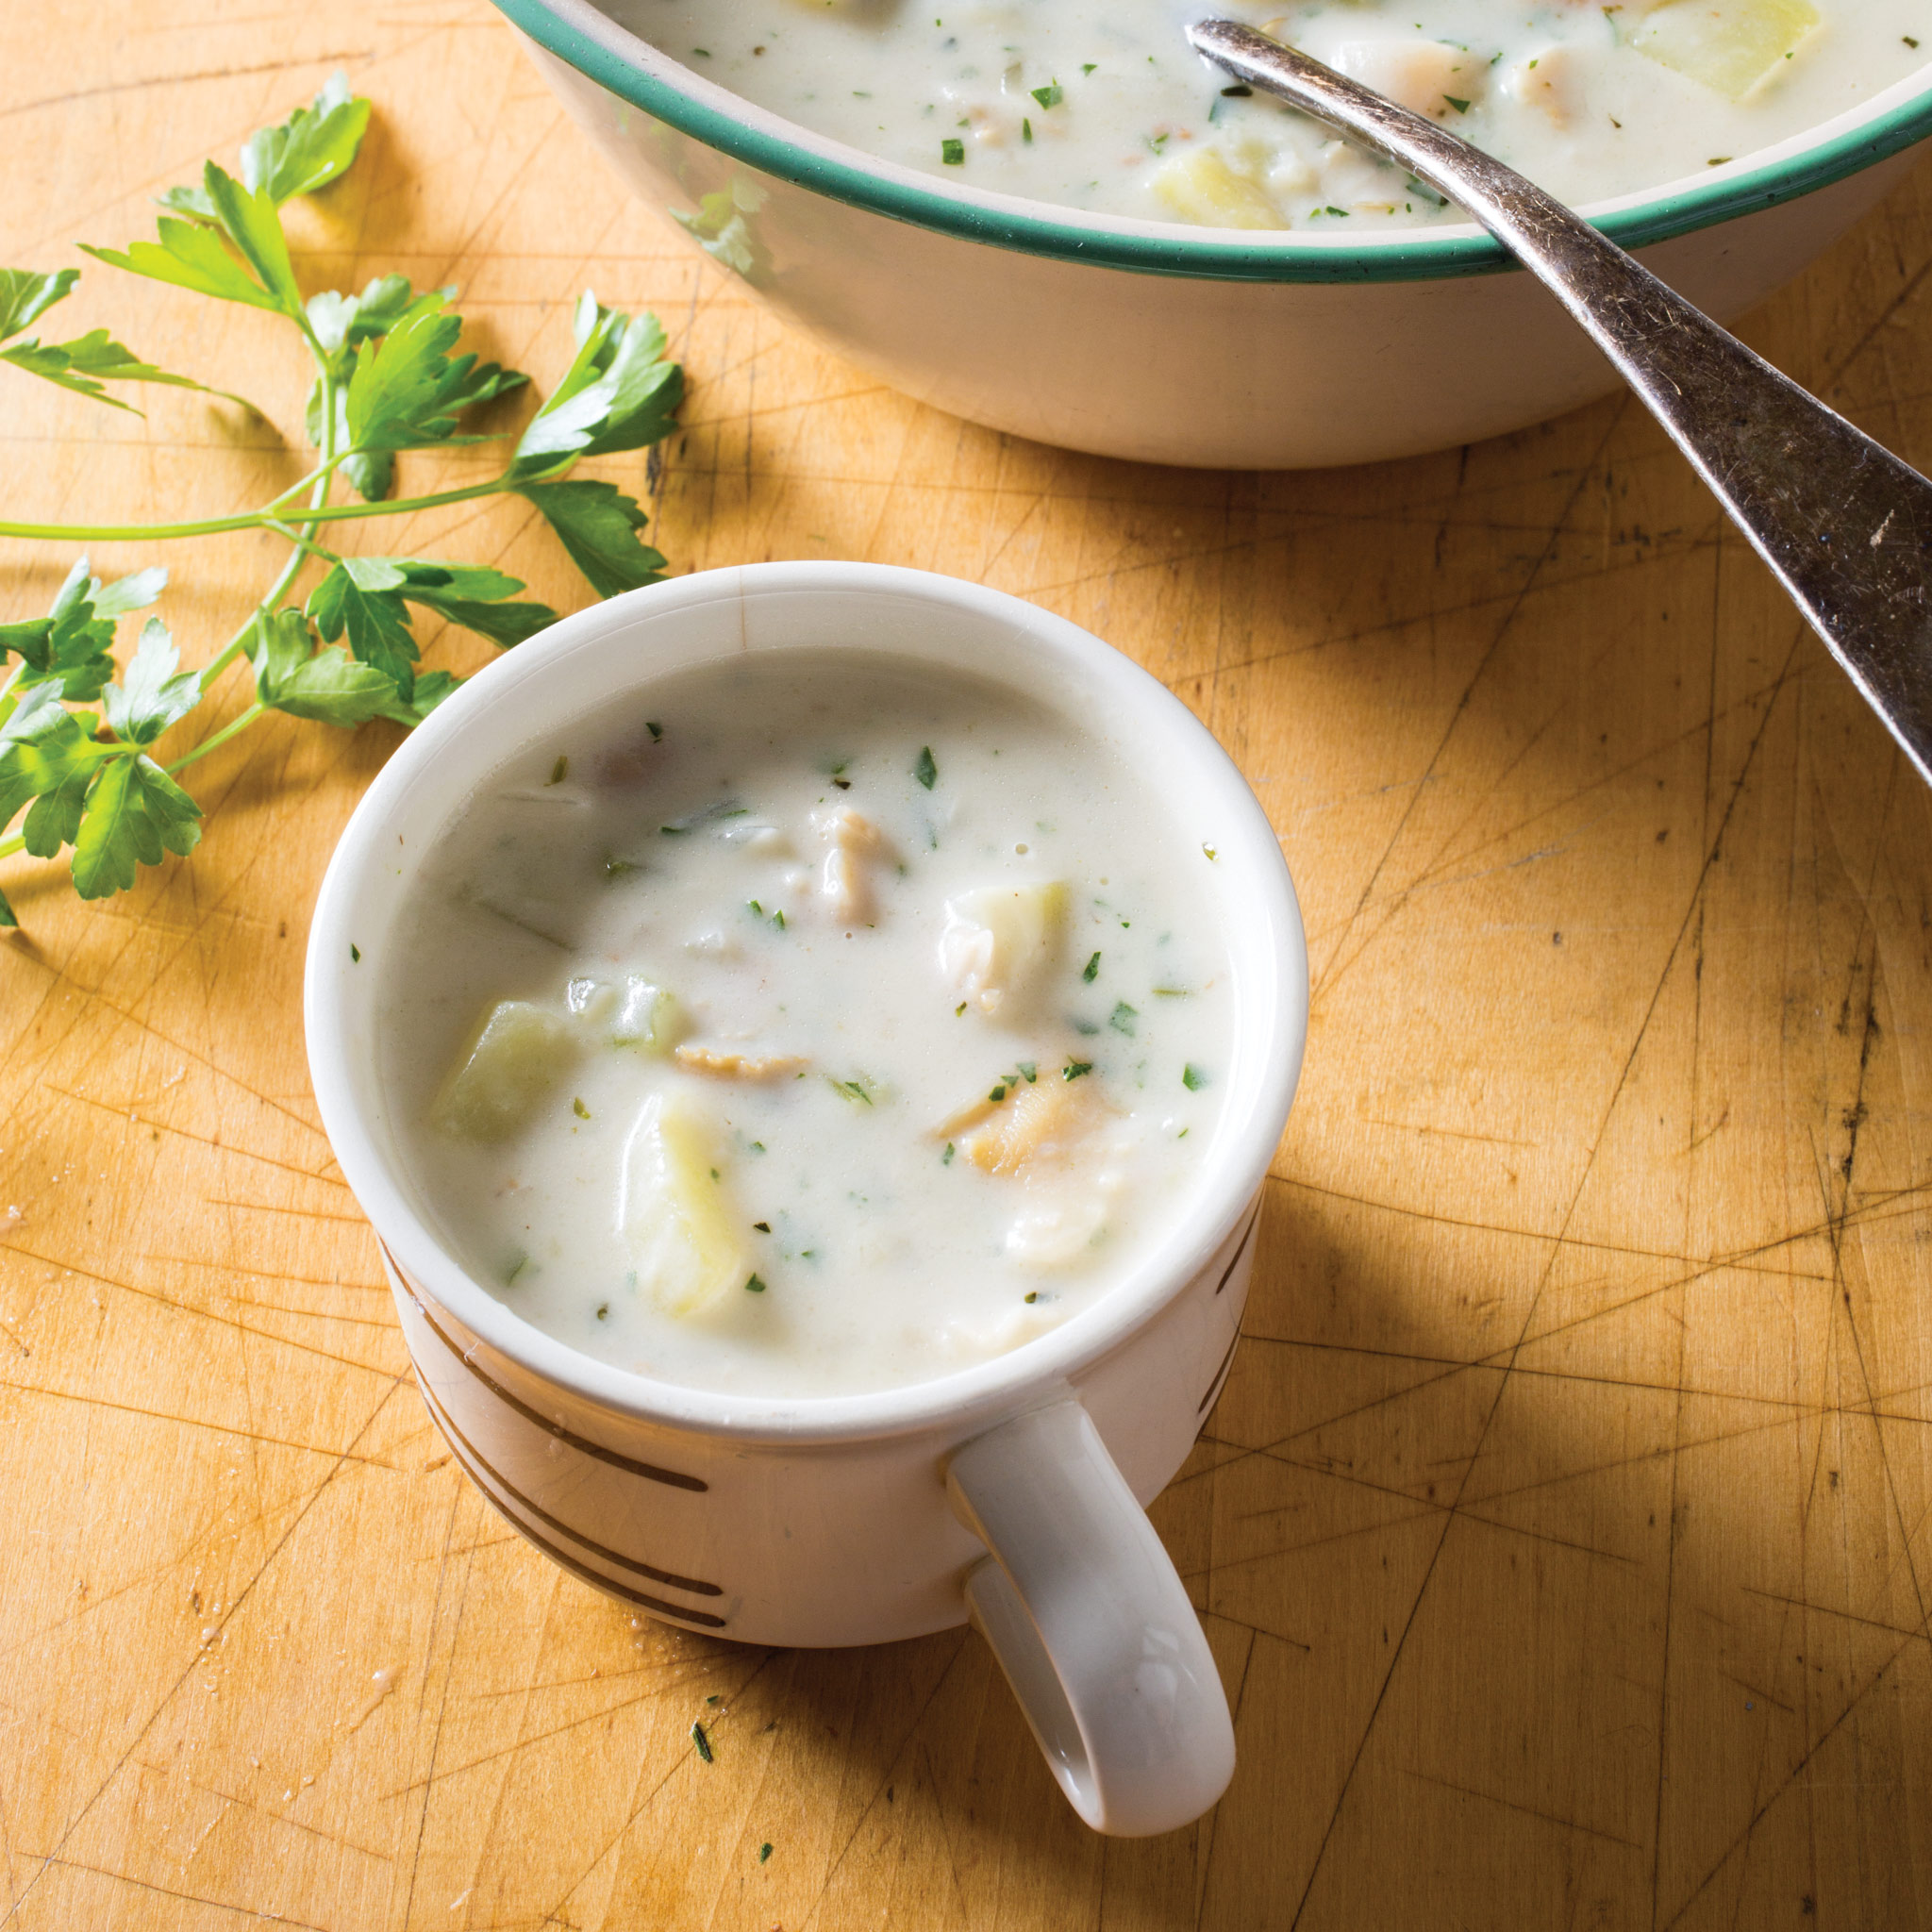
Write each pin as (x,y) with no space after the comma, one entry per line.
(1846,526)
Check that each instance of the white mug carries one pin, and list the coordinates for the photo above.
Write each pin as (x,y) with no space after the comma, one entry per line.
(1011,1491)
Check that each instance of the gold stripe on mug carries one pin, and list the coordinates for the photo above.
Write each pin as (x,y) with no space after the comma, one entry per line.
(562,1558)
(675,1479)
(462,1443)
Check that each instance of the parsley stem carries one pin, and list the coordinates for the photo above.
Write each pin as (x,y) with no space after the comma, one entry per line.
(236,724)
(253,520)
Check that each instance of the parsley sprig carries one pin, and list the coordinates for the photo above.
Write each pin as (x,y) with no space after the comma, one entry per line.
(79,747)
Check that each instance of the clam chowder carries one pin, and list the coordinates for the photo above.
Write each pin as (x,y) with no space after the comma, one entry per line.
(1100,105)
(812,1027)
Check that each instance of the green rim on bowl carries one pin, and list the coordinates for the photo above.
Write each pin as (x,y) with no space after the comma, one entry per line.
(627,67)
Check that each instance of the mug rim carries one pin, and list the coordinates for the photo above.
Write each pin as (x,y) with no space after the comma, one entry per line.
(637,73)
(1041,1367)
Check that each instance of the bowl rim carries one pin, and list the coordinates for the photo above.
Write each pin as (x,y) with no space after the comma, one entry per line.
(1220,1205)
(619,61)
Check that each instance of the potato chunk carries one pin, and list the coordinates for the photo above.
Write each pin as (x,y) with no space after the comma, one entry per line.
(512,1066)
(631,1011)
(1000,942)
(1201,187)
(1728,46)
(674,1213)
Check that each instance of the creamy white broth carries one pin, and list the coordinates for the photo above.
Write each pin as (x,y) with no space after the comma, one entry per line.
(938,1060)
(1100,105)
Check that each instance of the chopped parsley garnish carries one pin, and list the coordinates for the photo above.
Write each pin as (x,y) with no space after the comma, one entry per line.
(1123,1019)
(860,1090)
(577,1107)
(1092,970)
(753,1286)
(1073,1068)
(1026,129)
(1460,107)
(946,1158)
(924,769)
(1049,95)
(762,1227)
(953,153)
(1087,66)
(1030,1071)
(558,771)
(703,1742)
(356,959)
(1193,1077)
(656,731)
(764,1852)
(704,815)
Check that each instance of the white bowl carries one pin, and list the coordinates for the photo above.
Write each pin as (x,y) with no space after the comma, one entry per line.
(1218,348)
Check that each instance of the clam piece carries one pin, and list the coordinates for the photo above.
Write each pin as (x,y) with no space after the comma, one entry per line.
(856,845)
(1428,77)
(726,1063)
(674,1213)
(1551,81)
(1042,1123)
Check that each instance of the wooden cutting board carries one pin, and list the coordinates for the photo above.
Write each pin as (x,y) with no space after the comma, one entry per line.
(1562,1533)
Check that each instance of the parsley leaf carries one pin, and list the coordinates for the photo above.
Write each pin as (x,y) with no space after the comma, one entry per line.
(403,388)
(190,256)
(620,393)
(475,596)
(306,152)
(155,692)
(330,686)
(401,383)
(134,812)
(358,597)
(598,526)
(340,322)
(42,750)
(311,147)
(367,597)
(87,361)
(24,295)
(70,646)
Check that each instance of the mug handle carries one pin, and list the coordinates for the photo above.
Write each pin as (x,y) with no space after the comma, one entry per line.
(1089,1620)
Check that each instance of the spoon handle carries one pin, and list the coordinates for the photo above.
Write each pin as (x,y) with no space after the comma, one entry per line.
(1842,523)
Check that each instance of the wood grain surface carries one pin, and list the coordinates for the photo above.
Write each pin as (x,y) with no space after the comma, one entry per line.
(1562,1533)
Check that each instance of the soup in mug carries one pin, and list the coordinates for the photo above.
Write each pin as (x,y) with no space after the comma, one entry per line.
(814,1027)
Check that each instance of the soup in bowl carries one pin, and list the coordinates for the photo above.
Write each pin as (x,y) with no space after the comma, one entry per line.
(1142,266)
(811,1040)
